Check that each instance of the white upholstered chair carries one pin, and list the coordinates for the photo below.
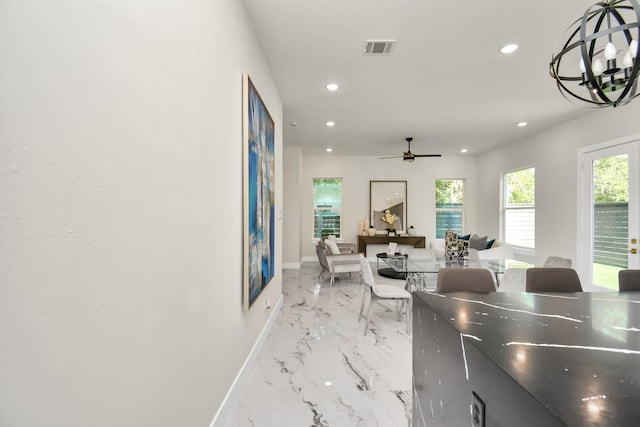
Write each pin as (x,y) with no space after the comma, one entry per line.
(382,292)
(557,261)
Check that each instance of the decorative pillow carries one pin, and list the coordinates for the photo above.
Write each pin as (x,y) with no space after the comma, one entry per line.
(489,243)
(478,243)
(332,237)
(333,246)
(465,237)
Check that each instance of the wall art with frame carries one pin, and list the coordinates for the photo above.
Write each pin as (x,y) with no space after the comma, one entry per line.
(259,194)
(392,196)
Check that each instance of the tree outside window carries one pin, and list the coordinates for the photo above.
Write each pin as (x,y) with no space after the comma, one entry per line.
(449,206)
(327,207)
(519,207)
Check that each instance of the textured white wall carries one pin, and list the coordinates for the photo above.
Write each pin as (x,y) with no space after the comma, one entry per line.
(357,171)
(120,220)
(554,154)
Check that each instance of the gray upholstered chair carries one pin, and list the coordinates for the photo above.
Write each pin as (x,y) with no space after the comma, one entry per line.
(381,292)
(553,279)
(465,280)
(333,264)
(557,261)
(629,280)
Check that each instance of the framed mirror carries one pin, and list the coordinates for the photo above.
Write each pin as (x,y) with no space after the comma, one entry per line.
(392,196)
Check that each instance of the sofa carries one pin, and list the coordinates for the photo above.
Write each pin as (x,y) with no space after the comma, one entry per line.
(498,250)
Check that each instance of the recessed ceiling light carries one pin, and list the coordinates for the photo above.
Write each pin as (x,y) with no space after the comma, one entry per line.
(329,150)
(332,87)
(330,123)
(464,150)
(509,48)
(521,124)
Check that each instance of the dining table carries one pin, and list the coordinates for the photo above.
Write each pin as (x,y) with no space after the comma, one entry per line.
(416,270)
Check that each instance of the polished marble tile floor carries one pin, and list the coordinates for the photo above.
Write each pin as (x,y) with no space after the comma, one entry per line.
(317,368)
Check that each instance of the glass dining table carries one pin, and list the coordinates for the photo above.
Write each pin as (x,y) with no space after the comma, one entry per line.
(417,271)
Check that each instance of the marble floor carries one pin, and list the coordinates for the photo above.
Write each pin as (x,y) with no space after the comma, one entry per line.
(318,369)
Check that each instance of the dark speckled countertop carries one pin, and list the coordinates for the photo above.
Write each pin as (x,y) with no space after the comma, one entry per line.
(578,354)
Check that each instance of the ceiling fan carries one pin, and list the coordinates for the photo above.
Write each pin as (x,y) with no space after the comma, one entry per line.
(408,155)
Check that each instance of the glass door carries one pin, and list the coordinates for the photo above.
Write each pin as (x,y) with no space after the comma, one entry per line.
(610,213)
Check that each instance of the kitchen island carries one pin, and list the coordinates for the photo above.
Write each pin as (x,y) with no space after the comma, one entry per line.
(523,359)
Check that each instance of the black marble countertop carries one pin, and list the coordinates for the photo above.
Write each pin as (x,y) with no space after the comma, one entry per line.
(578,354)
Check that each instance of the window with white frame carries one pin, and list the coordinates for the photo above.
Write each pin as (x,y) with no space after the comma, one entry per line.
(519,207)
(449,206)
(327,207)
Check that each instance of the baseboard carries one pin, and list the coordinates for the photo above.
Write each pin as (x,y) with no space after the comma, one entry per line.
(291,266)
(225,408)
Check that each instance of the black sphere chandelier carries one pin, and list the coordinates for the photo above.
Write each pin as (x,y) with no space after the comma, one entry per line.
(596,61)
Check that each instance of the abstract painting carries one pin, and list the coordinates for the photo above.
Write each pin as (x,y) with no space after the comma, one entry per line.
(259,194)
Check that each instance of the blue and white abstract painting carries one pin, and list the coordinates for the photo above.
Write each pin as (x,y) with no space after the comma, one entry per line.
(259,188)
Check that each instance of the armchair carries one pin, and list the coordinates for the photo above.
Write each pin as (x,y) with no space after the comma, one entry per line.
(342,262)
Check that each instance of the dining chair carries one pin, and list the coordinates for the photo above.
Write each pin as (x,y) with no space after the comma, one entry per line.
(552,279)
(382,292)
(465,280)
(629,280)
(557,261)
(421,281)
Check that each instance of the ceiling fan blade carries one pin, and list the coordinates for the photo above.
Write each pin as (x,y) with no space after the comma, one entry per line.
(427,155)
(391,157)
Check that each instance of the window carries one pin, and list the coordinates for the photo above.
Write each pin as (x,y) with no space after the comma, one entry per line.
(519,207)
(327,207)
(449,206)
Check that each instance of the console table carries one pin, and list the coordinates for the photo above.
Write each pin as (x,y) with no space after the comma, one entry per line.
(416,241)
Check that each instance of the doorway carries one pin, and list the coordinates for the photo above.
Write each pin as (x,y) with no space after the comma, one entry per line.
(609,211)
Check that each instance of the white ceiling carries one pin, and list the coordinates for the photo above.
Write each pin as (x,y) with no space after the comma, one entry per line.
(445,83)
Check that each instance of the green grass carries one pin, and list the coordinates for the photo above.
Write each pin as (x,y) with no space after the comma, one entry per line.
(606,276)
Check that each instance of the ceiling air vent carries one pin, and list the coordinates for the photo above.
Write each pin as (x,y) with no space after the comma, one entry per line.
(378,47)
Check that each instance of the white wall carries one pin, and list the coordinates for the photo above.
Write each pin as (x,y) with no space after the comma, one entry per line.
(292,209)
(357,171)
(121,213)
(554,155)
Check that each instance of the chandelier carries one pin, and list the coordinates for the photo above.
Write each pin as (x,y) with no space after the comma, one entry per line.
(597,62)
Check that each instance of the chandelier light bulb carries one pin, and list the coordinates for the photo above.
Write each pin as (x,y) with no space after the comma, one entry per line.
(627,60)
(633,48)
(610,51)
(583,68)
(598,68)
